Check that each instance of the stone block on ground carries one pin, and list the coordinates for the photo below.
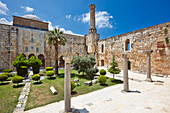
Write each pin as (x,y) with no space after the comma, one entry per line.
(53,90)
(76,80)
(88,83)
(94,81)
(96,77)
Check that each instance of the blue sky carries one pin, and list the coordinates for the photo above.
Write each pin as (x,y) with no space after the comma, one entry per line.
(72,16)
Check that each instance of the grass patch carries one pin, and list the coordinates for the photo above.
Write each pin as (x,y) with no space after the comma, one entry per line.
(40,94)
(8,97)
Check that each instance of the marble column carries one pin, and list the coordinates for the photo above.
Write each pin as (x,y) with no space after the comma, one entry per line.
(149,79)
(67,88)
(125,73)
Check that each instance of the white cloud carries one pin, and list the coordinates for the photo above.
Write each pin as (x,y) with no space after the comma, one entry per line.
(51,27)
(103,19)
(68,16)
(27,9)
(3,8)
(4,21)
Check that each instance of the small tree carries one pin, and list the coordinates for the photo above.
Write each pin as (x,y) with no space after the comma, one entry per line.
(84,64)
(35,63)
(19,62)
(114,67)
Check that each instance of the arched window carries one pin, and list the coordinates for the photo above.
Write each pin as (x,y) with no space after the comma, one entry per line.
(32,48)
(102,62)
(80,50)
(37,50)
(71,50)
(59,49)
(32,40)
(102,48)
(26,49)
(32,24)
(127,45)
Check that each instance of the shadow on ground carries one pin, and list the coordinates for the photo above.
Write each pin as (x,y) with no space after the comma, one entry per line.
(37,83)
(5,83)
(18,86)
(134,91)
(84,110)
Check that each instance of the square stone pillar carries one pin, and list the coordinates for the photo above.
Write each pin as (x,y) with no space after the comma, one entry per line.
(125,73)
(149,79)
(67,86)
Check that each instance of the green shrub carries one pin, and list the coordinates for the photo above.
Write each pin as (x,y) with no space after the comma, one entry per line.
(73,85)
(8,74)
(22,71)
(102,72)
(102,79)
(17,79)
(165,31)
(36,77)
(7,70)
(49,68)
(166,40)
(35,63)
(3,77)
(50,73)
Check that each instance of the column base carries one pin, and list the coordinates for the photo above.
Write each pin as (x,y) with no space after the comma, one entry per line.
(125,91)
(149,80)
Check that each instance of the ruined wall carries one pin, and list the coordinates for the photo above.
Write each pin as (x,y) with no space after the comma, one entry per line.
(4,46)
(74,46)
(151,38)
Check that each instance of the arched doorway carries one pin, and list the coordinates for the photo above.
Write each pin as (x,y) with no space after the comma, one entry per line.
(102,62)
(129,65)
(30,56)
(127,45)
(41,57)
(62,62)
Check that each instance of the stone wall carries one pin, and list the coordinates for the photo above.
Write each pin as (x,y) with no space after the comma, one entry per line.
(4,46)
(151,38)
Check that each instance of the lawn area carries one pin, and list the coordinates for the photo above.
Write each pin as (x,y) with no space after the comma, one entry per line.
(40,94)
(8,97)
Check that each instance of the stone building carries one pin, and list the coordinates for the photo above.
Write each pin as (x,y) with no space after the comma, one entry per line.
(27,36)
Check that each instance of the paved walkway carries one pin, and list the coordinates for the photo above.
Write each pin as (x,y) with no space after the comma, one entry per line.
(144,97)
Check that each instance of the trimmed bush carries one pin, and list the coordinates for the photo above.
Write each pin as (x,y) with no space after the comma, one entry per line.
(8,74)
(50,73)
(36,77)
(73,85)
(166,40)
(102,72)
(49,68)
(7,70)
(35,63)
(22,71)
(102,79)
(17,79)
(3,77)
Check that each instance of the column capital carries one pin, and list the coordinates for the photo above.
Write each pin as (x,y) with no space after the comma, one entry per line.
(148,51)
(67,59)
(124,55)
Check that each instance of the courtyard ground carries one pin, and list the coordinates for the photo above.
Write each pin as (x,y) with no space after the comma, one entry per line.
(144,97)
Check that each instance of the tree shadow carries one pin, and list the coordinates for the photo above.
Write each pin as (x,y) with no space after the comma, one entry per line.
(73,92)
(51,78)
(4,83)
(117,81)
(37,83)
(84,110)
(18,86)
(104,84)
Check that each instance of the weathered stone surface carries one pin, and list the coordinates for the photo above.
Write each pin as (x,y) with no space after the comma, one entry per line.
(88,83)
(76,80)
(94,81)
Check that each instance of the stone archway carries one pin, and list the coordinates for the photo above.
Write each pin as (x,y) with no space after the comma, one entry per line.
(41,57)
(30,55)
(61,62)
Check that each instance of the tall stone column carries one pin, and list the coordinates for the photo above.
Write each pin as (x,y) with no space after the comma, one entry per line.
(92,19)
(125,73)
(149,79)
(67,88)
